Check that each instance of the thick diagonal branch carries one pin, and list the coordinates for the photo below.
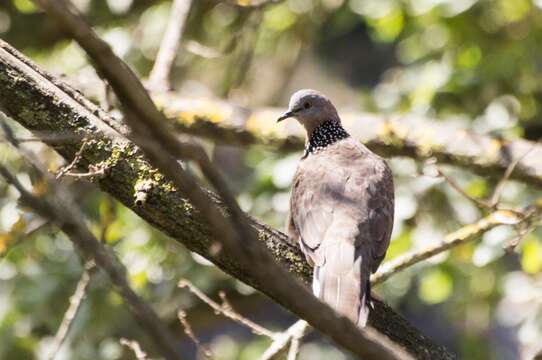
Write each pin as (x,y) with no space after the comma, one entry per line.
(151,134)
(41,103)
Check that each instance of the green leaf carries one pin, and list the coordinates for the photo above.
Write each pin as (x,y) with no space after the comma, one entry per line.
(25,6)
(435,286)
(531,257)
(400,244)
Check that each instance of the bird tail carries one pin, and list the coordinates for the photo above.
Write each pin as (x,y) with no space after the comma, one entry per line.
(343,283)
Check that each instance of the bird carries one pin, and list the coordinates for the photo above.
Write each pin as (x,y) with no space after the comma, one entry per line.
(341,207)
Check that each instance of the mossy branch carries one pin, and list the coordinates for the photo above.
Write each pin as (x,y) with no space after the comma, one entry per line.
(41,103)
(395,135)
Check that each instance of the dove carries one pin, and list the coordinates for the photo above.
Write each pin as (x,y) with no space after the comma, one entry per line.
(341,207)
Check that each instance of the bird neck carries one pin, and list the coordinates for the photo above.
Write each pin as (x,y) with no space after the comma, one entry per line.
(327,133)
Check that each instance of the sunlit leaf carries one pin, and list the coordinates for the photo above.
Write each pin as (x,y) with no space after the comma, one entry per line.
(400,244)
(25,6)
(531,256)
(477,188)
(435,286)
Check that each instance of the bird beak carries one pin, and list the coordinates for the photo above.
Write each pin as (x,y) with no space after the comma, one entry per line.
(286,115)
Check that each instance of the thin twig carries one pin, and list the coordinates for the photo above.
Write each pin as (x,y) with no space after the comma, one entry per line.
(478,202)
(201,50)
(76,300)
(495,198)
(63,212)
(521,233)
(523,229)
(493,201)
(282,340)
(465,234)
(135,347)
(159,78)
(190,333)
(90,174)
(294,349)
(94,170)
(226,310)
(78,155)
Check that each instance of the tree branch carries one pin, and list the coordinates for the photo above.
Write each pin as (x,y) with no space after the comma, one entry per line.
(159,78)
(150,133)
(292,335)
(76,300)
(398,135)
(37,103)
(226,310)
(135,348)
(181,315)
(61,211)
(465,234)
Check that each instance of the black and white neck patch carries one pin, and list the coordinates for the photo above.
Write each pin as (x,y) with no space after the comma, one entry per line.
(324,135)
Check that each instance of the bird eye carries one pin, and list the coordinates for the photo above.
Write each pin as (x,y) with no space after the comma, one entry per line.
(307,105)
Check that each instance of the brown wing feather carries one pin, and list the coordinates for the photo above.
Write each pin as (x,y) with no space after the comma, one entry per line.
(381,214)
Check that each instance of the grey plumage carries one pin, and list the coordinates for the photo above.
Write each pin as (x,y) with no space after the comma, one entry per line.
(341,207)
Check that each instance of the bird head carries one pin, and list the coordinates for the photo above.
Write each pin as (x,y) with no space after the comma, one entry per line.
(311,108)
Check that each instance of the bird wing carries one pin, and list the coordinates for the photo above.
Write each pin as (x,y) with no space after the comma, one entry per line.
(350,201)
(311,212)
(381,213)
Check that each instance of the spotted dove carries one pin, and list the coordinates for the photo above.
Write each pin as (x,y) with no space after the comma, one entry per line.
(341,207)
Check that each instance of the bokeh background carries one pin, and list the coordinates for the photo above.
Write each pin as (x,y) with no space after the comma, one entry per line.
(474,63)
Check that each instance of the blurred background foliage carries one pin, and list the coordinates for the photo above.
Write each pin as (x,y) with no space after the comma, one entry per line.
(476,63)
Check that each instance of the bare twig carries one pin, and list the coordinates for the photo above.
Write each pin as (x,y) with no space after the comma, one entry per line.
(201,50)
(66,215)
(78,155)
(135,347)
(291,337)
(521,233)
(531,223)
(76,300)
(190,333)
(94,172)
(293,351)
(226,310)
(160,74)
(495,198)
(478,202)
(493,202)
(465,234)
